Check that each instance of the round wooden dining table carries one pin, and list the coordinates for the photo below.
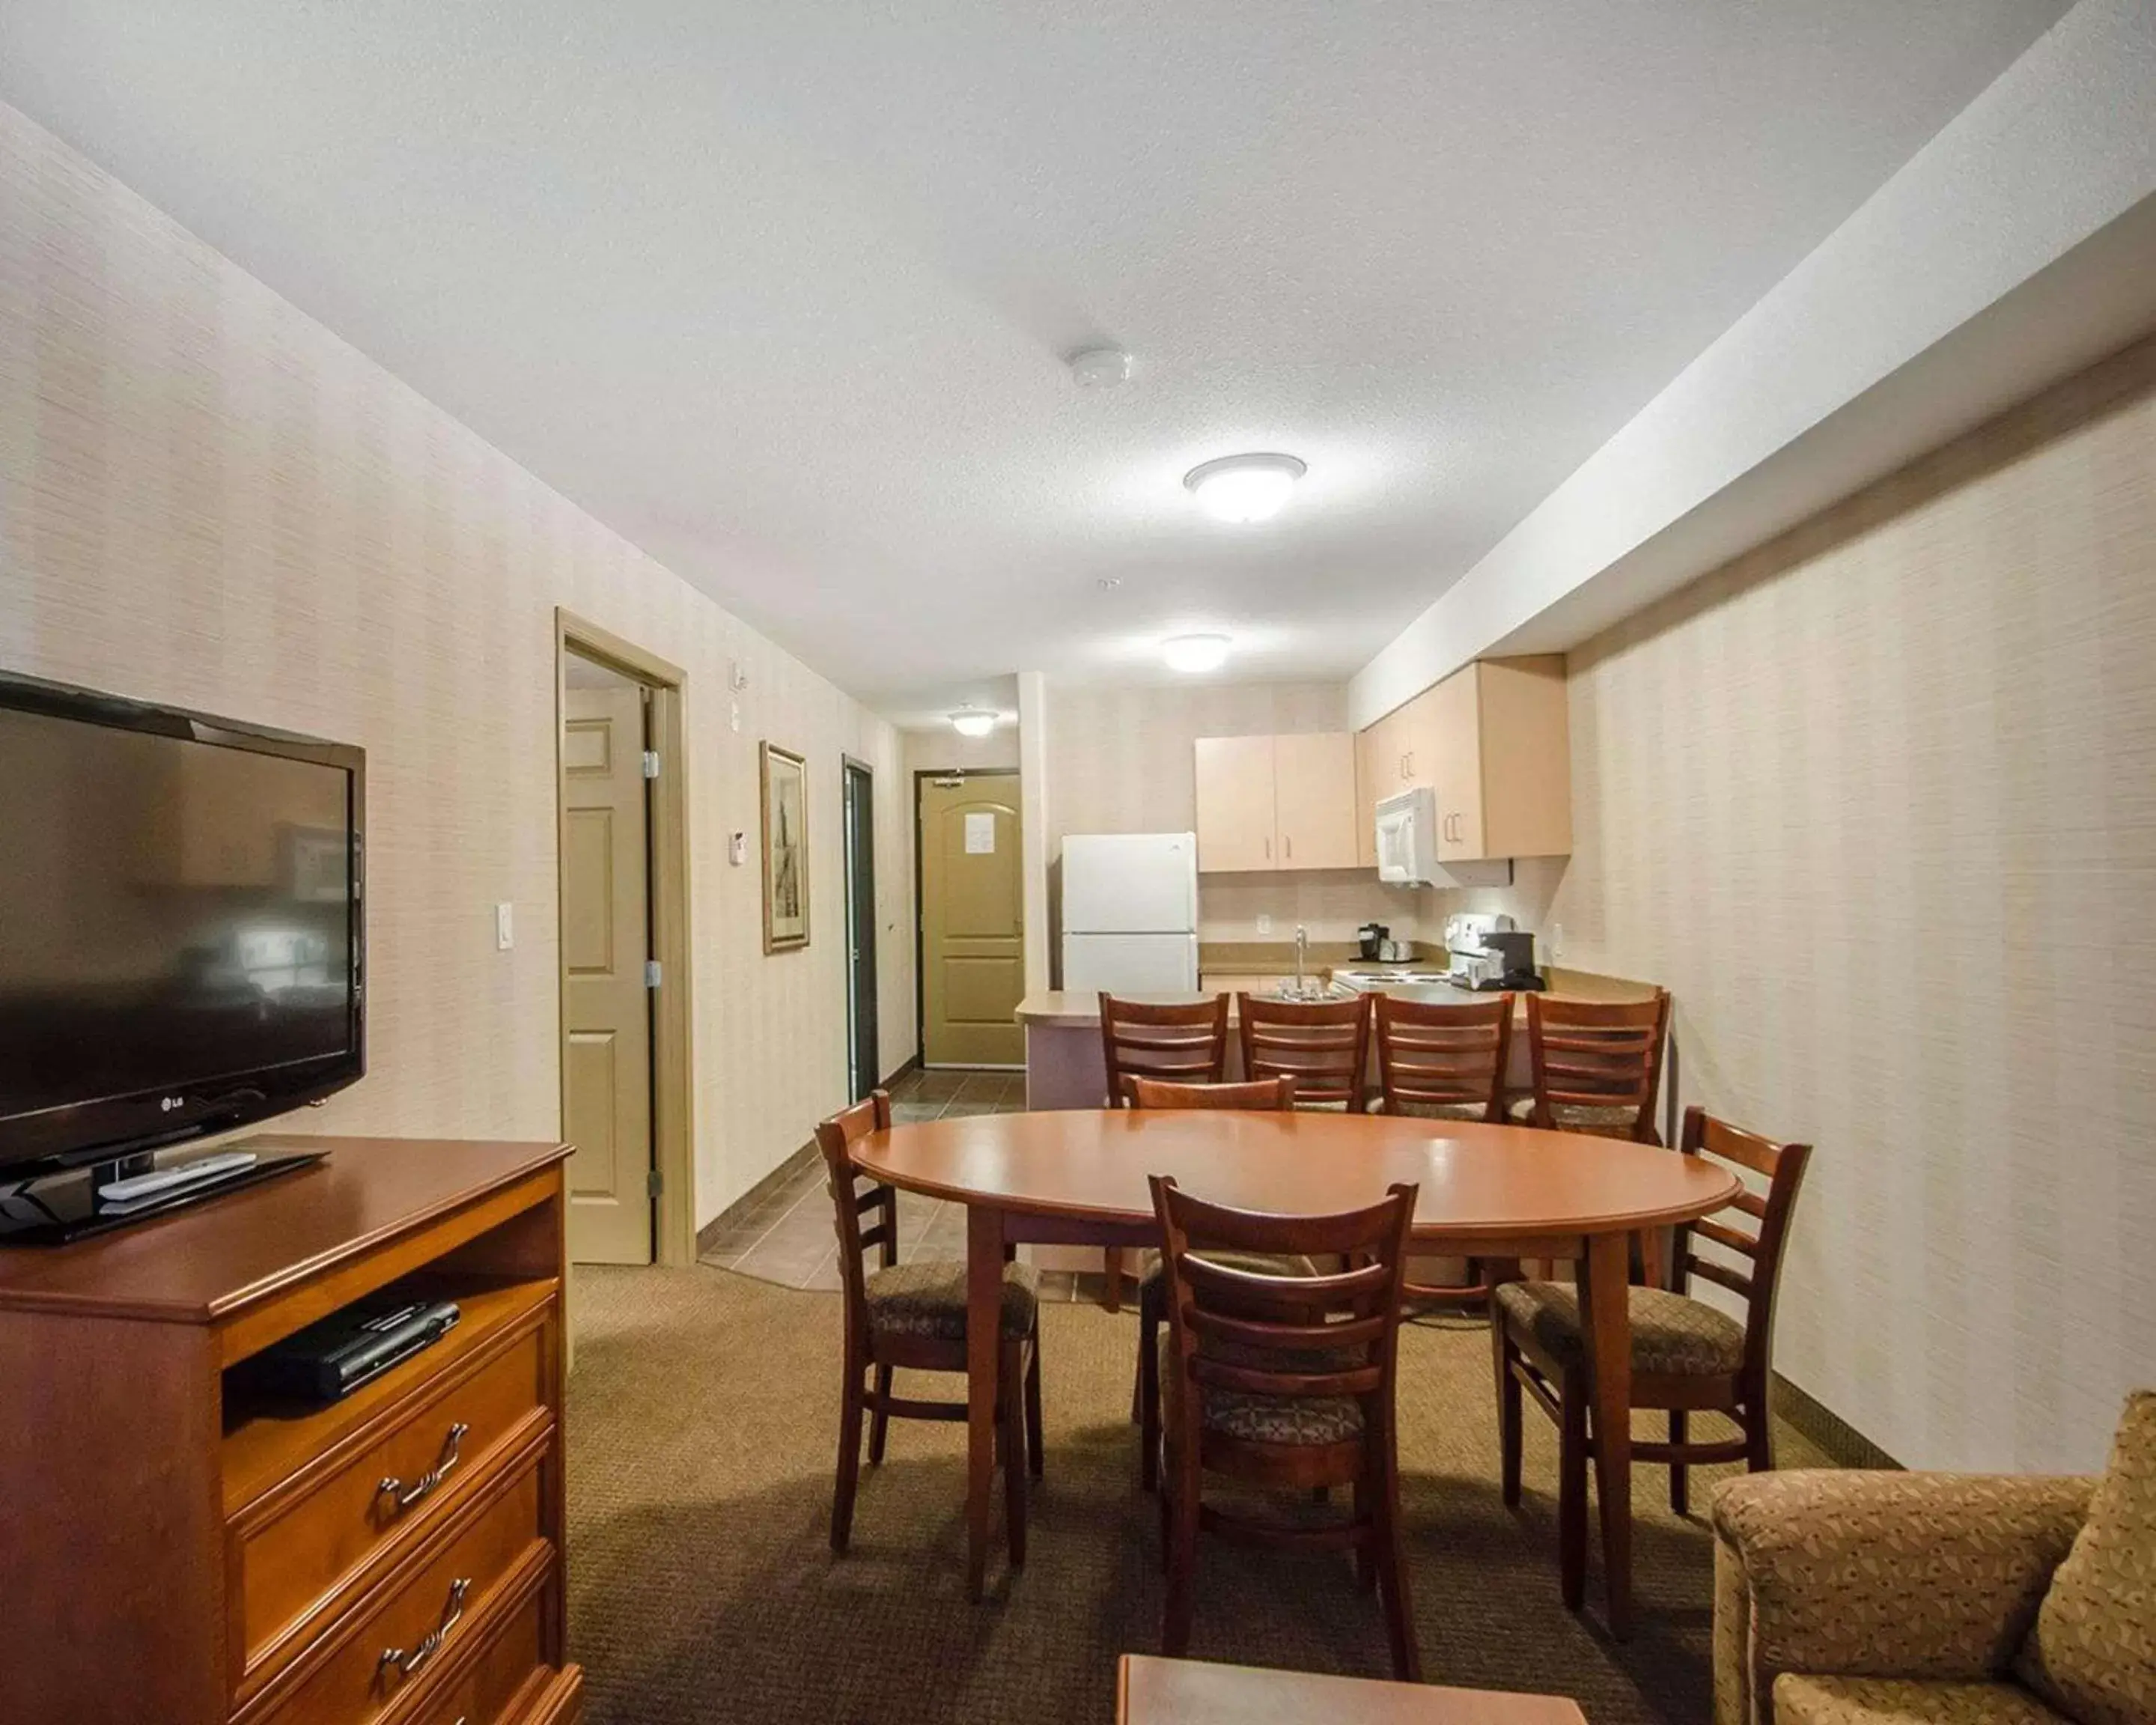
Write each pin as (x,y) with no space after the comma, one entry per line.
(1492,1192)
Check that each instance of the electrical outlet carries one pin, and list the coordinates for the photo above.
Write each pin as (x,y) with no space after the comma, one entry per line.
(1265,924)
(733,714)
(1557,940)
(504,933)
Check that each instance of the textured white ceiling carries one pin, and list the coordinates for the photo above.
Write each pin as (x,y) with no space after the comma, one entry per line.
(782,292)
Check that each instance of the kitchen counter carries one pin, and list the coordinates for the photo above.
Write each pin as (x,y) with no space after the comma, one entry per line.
(1070,1008)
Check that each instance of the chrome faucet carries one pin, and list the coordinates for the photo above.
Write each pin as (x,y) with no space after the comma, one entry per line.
(1301,955)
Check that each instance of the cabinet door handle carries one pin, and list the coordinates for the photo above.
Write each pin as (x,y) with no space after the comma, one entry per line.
(404,1495)
(1287,848)
(407,1664)
(1269,850)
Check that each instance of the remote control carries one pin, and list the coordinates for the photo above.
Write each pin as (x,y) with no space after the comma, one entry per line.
(164,1180)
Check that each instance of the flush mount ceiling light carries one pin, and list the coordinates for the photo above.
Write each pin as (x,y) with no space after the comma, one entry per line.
(1244,488)
(971,722)
(1195,653)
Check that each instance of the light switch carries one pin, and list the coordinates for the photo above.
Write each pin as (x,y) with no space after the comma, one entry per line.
(733,713)
(738,848)
(505,933)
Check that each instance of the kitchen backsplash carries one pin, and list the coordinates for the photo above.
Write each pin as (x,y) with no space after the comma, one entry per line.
(1331,904)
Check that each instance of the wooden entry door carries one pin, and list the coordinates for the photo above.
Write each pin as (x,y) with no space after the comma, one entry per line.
(972,921)
(607,998)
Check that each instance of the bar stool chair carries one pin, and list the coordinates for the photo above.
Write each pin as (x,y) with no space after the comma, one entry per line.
(914,1315)
(1597,1066)
(1324,1045)
(1444,1060)
(1688,1356)
(1139,1038)
(1284,1383)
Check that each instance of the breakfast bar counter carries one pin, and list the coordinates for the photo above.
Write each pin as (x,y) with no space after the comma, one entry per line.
(1064,1068)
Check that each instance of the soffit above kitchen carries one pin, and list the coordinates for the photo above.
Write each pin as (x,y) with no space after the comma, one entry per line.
(785,295)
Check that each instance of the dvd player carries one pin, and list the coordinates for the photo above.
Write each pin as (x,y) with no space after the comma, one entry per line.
(331,1358)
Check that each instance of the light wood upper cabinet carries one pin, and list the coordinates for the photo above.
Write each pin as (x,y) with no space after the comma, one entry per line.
(1493,742)
(1236,830)
(1272,803)
(1314,799)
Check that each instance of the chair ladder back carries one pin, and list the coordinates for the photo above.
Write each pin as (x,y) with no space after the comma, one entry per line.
(1291,1337)
(1139,1038)
(1269,1094)
(1443,1054)
(1324,1045)
(850,1200)
(1597,1054)
(1783,1167)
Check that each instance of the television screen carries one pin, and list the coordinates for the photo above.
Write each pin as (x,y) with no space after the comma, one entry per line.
(179,922)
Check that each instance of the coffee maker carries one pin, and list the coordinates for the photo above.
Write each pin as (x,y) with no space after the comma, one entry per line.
(1513,951)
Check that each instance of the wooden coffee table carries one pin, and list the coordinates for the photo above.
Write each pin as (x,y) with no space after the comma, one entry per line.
(1492,1192)
(1190,1692)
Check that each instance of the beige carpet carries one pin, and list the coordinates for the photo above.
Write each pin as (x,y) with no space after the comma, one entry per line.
(702,1419)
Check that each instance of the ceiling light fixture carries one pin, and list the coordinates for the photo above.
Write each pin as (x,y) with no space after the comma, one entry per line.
(971,722)
(1195,653)
(1244,488)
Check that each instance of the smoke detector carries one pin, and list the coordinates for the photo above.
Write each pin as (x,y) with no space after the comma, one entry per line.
(1101,368)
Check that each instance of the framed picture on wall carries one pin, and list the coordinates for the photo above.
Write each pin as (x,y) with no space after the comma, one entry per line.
(785,850)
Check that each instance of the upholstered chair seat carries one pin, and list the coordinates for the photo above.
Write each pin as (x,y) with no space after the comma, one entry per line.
(1890,1700)
(1671,1333)
(1269,1419)
(928,1298)
(1472,1111)
(1578,1116)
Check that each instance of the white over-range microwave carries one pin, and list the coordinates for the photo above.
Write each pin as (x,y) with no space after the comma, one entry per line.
(1407,838)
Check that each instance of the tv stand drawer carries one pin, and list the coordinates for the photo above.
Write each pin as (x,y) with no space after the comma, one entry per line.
(353,1512)
(396,1647)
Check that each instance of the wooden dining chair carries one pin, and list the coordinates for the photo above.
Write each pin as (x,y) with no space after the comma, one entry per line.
(1284,1383)
(1265,1095)
(1597,1066)
(1446,1060)
(912,1317)
(1324,1045)
(1687,1357)
(1139,1038)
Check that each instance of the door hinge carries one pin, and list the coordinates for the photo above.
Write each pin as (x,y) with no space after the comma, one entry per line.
(651,977)
(654,1183)
(651,763)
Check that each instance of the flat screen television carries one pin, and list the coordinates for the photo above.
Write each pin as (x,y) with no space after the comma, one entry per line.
(181,927)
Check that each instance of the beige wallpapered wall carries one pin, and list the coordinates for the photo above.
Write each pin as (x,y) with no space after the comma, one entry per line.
(1878,804)
(207,499)
(1120,761)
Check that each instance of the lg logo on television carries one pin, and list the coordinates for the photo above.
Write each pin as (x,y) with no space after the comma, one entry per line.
(167,1104)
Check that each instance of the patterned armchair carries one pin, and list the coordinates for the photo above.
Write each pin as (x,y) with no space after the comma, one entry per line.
(1910,1599)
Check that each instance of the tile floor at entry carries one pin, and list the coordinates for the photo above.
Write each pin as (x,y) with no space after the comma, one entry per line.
(786,1235)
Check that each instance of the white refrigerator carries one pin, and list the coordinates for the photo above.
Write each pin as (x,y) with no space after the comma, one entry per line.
(1130,913)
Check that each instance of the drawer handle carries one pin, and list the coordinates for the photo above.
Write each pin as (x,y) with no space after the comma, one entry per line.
(407,1664)
(407,1496)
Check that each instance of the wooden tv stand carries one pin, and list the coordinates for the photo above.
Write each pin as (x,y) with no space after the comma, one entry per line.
(177,1549)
